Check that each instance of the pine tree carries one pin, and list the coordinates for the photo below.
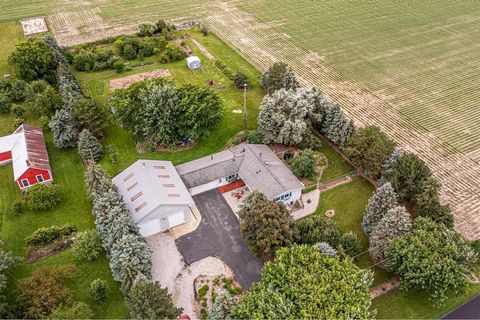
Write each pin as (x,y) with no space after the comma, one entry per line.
(396,155)
(336,127)
(90,115)
(382,200)
(395,223)
(64,129)
(131,250)
(97,180)
(427,203)
(222,307)
(150,301)
(289,80)
(88,146)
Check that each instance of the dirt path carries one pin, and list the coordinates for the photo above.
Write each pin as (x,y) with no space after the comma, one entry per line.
(334,183)
(261,44)
(125,82)
(385,287)
(203,50)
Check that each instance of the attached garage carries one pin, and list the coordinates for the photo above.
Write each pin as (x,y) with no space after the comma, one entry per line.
(176,219)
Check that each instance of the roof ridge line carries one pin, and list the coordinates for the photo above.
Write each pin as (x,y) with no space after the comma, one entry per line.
(266,167)
(210,165)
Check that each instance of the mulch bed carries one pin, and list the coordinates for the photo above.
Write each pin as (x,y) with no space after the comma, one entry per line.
(40,252)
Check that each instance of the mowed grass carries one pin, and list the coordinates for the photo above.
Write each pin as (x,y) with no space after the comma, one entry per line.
(349,201)
(95,84)
(10,34)
(67,169)
(422,57)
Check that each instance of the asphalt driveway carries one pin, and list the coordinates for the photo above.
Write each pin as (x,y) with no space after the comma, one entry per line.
(218,235)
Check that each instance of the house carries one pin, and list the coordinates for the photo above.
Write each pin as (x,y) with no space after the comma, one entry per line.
(255,164)
(155,195)
(25,148)
(159,195)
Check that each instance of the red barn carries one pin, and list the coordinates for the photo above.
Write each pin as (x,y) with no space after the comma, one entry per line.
(26,150)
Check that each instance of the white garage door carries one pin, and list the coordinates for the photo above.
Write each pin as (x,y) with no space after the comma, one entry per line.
(175,219)
(150,227)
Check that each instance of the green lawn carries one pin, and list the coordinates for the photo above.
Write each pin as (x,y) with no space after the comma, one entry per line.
(337,166)
(349,201)
(67,168)
(96,84)
(10,34)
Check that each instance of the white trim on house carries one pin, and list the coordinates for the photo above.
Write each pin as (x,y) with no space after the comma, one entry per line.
(39,180)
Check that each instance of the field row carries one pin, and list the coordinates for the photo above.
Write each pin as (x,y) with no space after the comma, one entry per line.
(263,45)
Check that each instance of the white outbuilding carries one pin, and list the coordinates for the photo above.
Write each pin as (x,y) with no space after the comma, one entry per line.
(155,196)
(193,62)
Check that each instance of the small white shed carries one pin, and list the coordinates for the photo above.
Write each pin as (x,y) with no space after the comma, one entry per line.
(193,62)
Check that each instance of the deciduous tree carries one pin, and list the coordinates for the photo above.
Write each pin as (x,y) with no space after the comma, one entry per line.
(301,283)
(265,225)
(431,257)
(33,60)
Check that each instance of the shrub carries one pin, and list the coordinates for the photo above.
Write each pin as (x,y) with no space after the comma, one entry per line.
(76,310)
(254,136)
(17,122)
(171,54)
(17,110)
(225,69)
(326,250)
(202,292)
(46,235)
(119,66)
(240,80)
(42,292)
(86,245)
(99,290)
(314,229)
(204,29)
(17,207)
(350,244)
(303,164)
(43,196)
(43,120)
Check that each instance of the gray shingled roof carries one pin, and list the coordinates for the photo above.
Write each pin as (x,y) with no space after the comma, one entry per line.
(257,165)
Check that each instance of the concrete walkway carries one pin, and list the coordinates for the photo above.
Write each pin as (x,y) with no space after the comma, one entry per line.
(308,208)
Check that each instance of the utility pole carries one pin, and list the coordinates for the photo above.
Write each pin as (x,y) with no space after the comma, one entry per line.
(245,105)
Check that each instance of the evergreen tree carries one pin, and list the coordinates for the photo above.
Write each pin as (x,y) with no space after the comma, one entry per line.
(131,250)
(396,154)
(395,223)
(90,115)
(222,307)
(150,301)
(88,146)
(382,200)
(289,80)
(427,203)
(408,174)
(336,127)
(97,180)
(64,129)
(350,244)
(272,79)
(265,225)
(369,148)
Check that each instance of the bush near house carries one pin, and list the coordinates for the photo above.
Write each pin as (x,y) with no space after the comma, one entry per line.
(86,245)
(99,290)
(303,164)
(43,196)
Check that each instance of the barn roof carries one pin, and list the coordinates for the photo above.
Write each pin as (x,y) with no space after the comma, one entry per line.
(148,184)
(28,148)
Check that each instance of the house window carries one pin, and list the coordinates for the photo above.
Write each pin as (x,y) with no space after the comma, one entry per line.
(39,178)
(232,178)
(25,183)
(287,196)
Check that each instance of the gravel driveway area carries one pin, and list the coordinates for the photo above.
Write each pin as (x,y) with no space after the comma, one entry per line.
(218,235)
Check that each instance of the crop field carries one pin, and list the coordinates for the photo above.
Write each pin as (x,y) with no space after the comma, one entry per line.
(411,68)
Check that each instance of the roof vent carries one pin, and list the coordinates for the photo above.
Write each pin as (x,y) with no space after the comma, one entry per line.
(266,162)
(211,157)
(143,164)
(260,154)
